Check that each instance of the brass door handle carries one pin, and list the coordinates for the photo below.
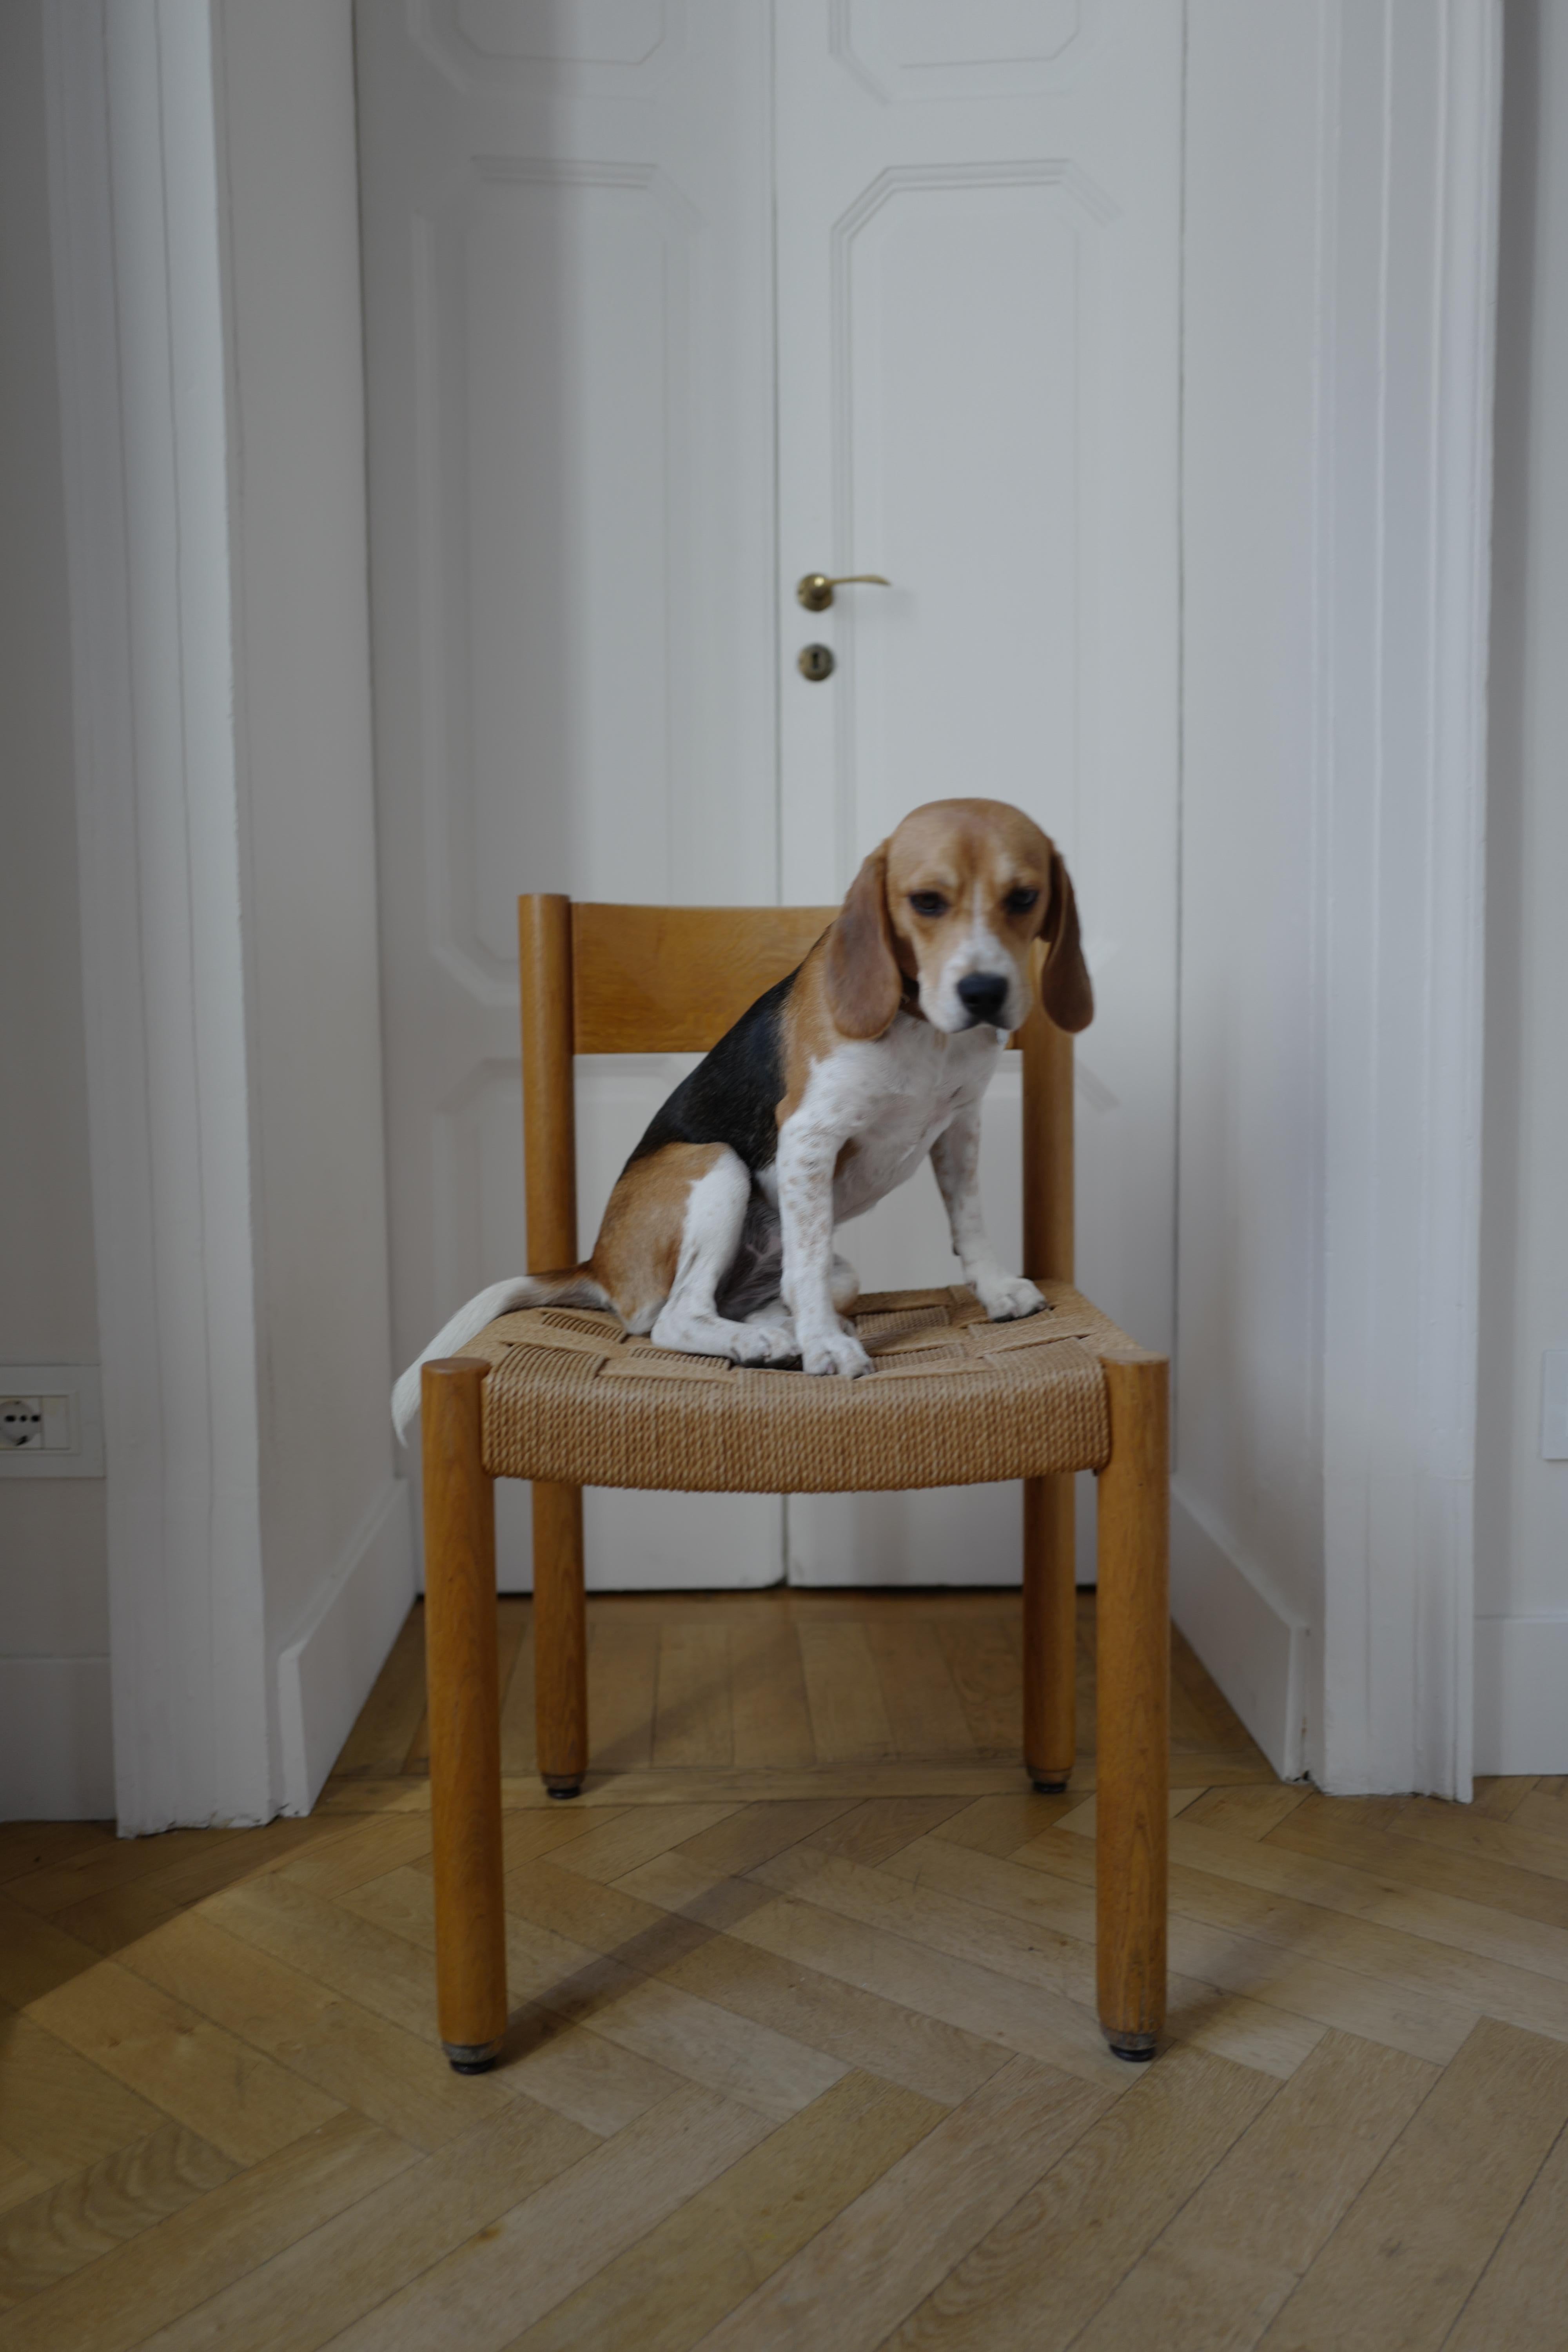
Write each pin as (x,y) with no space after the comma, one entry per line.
(816,591)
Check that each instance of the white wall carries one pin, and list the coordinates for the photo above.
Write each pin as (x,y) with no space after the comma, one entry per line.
(53,1598)
(334,1524)
(1248,1520)
(1522,1501)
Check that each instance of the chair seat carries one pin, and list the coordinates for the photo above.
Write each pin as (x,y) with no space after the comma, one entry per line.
(952,1400)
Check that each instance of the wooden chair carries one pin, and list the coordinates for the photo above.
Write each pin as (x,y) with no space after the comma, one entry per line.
(552,1396)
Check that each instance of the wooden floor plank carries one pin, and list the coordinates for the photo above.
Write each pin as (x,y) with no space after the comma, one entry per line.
(127,2295)
(1225,2022)
(482,2295)
(656,2019)
(1054,2258)
(1519,2302)
(1406,2017)
(623,1684)
(692,1724)
(58,2112)
(517,1745)
(1360,1893)
(855,2281)
(1000,1825)
(984,1658)
(1545,1809)
(114,2199)
(769,1708)
(849,1721)
(1217,2273)
(401,2080)
(608,1850)
(873,1830)
(924,1712)
(757,1832)
(562,2066)
(1247,1812)
(27,1846)
(1344,1830)
(204,2076)
(328,2279)
(1402,2262)
(981,2000)
(667,2291)
(942,2063)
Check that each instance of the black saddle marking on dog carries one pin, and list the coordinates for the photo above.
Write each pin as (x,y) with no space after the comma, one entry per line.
(731,1096)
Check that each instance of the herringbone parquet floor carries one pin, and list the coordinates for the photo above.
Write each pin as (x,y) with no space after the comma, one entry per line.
(804,2050)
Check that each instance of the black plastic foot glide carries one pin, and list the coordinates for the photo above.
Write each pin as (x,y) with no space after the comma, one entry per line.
(1137,2049)
(471,2057)
(558,1788)
(1049,1784)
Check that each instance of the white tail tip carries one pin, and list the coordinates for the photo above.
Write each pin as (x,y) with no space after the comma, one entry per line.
(453,1338)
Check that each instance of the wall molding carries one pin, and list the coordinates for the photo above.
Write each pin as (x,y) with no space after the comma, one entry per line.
(57,1761)
(1252,1644)
(326,1673)
(137,218)
(1410,115)
(1522,1672)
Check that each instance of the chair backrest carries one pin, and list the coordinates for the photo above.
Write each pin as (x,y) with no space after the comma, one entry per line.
(670,980)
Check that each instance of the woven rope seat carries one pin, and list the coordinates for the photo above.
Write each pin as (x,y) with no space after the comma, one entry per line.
(952,1400)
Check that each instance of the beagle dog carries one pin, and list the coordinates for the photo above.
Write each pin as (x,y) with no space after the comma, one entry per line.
(718,1238)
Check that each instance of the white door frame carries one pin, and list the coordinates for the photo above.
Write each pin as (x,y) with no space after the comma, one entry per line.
(258,1558)
(1409,189)
(1408,183)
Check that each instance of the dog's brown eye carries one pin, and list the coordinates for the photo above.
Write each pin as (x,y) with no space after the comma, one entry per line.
(1020,901)
(928,902)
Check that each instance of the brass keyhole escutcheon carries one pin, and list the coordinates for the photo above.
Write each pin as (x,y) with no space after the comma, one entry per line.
(815,663)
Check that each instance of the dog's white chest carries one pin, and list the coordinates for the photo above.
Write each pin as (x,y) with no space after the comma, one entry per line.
(889,1098)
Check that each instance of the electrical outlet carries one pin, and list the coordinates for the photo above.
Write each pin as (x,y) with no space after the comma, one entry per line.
(37,1425)
(51,1421)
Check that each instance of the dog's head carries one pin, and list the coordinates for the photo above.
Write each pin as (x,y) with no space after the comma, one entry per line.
(953,902)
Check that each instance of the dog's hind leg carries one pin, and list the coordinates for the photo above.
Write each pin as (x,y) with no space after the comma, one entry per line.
(710,1235)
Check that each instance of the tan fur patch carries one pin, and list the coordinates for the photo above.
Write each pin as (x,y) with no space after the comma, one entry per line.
(810,1032)
(639,1248)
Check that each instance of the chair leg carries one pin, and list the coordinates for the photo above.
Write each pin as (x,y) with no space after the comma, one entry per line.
(560,1639)
(465,1715)
(1050,1633)
(1133,1679)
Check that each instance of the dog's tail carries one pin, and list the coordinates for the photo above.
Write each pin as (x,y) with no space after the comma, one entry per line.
(573,1286)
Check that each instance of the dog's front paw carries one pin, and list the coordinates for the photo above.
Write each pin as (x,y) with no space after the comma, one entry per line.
(1009,1298)
(766,1343)
(835,1351)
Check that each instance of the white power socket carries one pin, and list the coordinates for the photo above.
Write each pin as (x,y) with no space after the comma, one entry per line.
(51,1421)
(37,1425)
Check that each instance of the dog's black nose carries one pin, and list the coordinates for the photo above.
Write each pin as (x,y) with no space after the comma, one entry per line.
(983,994)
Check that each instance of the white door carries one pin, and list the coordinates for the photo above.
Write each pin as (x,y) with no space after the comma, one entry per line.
(979,213)
(601,456)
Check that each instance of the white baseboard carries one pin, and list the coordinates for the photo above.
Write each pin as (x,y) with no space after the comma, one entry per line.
(1251,1642)
(1522,1694)
(325,1676)
(56,1755)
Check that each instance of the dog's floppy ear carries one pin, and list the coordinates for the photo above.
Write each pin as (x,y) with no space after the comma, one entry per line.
(865,986)
(1064,988)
